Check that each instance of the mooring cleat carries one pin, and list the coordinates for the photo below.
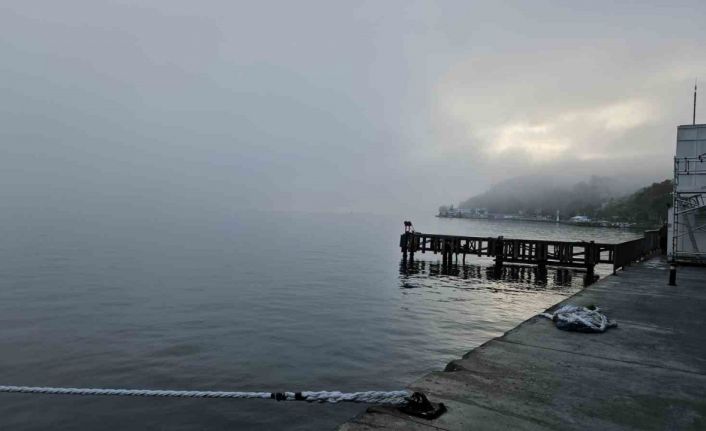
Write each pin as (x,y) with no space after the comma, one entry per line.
(279,396)
(418,405)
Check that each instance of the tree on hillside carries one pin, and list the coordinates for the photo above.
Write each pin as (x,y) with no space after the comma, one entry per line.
(646,206)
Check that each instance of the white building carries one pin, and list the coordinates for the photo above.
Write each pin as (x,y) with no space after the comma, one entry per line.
(687,219)
(580,219)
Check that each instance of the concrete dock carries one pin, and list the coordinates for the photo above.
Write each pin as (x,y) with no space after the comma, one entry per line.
(649,373)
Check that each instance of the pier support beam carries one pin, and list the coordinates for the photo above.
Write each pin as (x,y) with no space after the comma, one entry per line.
(540,253)
(590,257)
(444,253)
(499,250)
(404,244)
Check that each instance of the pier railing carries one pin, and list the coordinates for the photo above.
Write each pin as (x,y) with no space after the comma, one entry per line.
(537,252)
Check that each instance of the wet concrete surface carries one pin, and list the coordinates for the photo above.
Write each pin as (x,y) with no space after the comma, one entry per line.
(648,373)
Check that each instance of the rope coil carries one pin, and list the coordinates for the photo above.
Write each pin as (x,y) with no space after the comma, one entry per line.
(396,398)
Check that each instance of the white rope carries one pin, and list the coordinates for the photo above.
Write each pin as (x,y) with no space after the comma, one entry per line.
(371,397)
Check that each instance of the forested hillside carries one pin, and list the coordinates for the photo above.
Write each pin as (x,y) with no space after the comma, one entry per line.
(646,206)
(598,198)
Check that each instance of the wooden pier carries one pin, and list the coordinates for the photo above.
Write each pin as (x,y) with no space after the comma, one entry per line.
(530,251)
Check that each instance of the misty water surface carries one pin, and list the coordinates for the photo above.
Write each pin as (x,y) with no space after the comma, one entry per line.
(246,301)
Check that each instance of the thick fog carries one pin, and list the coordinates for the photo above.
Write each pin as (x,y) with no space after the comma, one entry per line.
(378,106)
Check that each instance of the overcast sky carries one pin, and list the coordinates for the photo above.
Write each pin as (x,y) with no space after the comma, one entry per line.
(376,106)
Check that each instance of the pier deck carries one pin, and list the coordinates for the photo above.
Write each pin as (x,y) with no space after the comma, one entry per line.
(649,373)
(531,251)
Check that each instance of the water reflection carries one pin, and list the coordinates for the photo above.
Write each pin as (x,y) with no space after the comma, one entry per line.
(488,275)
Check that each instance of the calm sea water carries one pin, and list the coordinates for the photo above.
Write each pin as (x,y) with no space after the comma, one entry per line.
(250,301)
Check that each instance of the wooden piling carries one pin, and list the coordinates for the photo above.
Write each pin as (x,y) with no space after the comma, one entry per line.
(499,251)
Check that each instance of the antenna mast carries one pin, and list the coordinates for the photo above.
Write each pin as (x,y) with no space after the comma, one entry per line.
(694,117)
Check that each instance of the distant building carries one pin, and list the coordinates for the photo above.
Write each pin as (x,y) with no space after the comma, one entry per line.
(463,212)
(687,218)
(580,219)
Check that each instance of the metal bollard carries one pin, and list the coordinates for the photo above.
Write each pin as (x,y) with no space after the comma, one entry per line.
(672,275)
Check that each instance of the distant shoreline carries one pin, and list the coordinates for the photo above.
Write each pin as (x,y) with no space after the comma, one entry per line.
(602,224)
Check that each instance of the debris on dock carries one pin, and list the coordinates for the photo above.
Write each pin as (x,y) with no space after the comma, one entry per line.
(580,319)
